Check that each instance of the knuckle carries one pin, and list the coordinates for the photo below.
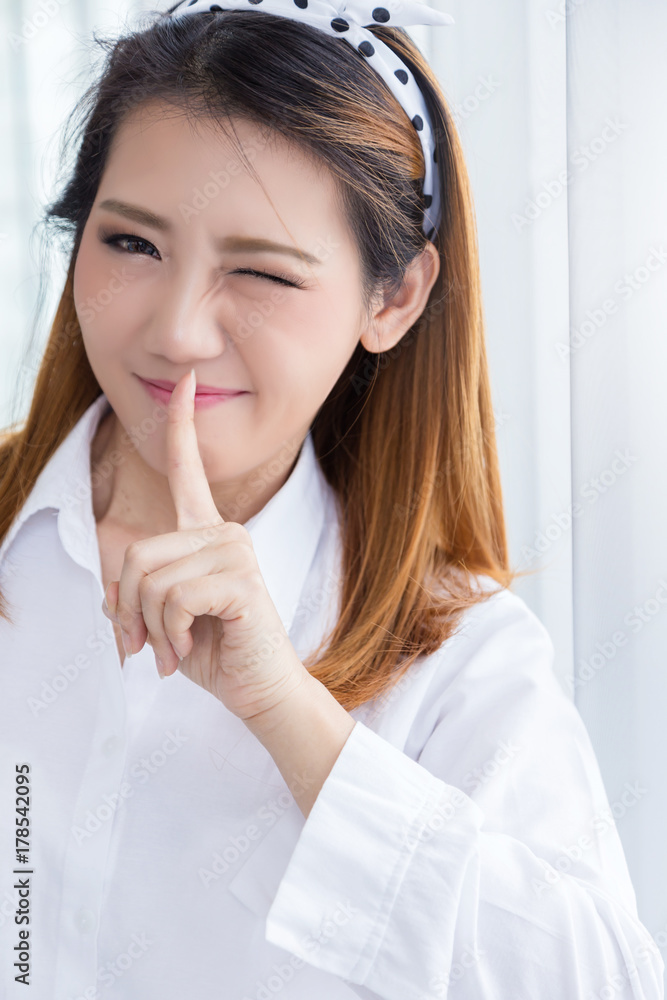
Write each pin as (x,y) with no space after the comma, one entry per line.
(235,532)
(253,579)
(148,587)
(133,552)
(174,594)
(201,538)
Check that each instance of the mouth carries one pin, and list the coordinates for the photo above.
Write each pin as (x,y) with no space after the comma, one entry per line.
(205,395)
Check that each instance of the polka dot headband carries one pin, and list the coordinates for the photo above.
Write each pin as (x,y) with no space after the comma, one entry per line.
(347,19)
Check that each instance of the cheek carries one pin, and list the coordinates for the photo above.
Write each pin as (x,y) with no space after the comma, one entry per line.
(101,302)
(297,370)
(84,280)
(324,342)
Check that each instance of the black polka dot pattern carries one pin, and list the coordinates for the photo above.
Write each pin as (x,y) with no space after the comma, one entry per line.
(350,20)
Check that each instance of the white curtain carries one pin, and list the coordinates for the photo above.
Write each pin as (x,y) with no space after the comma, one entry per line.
(561,105)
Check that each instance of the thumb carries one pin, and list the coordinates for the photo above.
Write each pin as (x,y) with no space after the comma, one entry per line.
(111,597)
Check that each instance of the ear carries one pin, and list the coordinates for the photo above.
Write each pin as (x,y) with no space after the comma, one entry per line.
(394,317)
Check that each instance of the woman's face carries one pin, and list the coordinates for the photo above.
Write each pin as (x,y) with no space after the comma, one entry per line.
(196,285)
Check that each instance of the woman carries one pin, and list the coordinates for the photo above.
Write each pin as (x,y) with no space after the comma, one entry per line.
(275,720)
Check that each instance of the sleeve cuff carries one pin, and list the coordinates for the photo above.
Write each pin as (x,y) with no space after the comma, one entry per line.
(376,814)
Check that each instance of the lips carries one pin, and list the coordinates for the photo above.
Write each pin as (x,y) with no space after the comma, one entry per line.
(206,396)
(202,390)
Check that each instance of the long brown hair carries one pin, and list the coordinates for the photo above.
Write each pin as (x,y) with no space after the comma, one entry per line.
(406,438)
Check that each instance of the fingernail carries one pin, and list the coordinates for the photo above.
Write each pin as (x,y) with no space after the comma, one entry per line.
(160,667)
(127,645)
(193,384)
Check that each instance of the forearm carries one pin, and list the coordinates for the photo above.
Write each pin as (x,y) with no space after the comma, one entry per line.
(304,735)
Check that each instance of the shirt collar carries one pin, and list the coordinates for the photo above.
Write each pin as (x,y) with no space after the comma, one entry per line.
(285,532)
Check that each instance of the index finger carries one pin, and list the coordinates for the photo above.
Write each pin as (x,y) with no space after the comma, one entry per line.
(195,507)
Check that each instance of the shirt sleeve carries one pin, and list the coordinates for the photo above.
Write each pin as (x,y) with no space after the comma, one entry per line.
(490,866)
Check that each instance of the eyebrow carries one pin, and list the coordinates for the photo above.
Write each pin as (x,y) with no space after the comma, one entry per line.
(229,244)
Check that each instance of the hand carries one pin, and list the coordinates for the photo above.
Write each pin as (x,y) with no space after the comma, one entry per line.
(198,593)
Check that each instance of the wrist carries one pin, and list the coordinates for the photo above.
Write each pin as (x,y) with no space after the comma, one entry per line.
(299,688)
(304,733)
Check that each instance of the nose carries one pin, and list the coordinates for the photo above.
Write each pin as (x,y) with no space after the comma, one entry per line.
(187,323)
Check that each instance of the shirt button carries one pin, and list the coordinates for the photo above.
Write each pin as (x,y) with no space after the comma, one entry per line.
(85,920)
(110,745)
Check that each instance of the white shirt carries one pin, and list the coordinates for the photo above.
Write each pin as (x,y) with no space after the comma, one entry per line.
(463,835)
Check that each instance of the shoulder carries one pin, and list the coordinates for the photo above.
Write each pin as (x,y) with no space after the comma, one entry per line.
(492,685)
(499,657)
(498,623)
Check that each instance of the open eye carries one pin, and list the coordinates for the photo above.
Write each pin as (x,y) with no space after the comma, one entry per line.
(114,239)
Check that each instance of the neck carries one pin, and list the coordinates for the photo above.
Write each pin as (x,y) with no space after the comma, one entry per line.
(129,493)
